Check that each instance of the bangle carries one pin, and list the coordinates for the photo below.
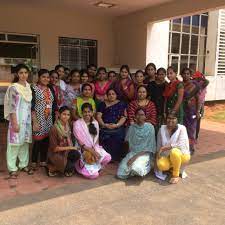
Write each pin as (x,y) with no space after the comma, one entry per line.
(117,125)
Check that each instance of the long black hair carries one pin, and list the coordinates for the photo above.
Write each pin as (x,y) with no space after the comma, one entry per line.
(91,127)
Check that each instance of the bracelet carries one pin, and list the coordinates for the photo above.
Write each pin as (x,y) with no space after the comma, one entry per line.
(117,125)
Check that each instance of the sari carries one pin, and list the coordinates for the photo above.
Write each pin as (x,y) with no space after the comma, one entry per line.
(171,96)
(70,95)
(112,139)
(140,139)
(122,92)
(81,132)
(100,91)
(191,90)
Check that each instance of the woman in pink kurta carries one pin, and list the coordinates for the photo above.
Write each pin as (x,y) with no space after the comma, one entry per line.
(86,131)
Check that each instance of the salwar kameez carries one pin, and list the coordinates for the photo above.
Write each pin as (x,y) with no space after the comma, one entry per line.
(18,101)
(81,132)
(140,139)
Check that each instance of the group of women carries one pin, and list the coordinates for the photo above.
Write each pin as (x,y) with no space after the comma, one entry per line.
(86,119)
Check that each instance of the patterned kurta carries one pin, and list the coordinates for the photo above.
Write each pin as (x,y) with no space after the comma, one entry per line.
(39,105)
(22,108)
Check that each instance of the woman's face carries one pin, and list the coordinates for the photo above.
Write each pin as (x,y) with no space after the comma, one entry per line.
(87,91)
(161,76)
(44,79)
(112,96)
(171,75)
(186,75)
(84,78)
(139,77)
(87,114)
(65,116)
(61,72)
(54,78)
(171,122)
(140,117)
(102,75)
(124,74)
(150,71)
(112,77)
(142,93)
(23,75)
(75,77)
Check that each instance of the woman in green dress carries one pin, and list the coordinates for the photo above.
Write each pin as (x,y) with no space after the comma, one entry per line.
(142,147)
(173,95)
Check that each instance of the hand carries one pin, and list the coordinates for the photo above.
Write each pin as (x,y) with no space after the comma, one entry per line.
(73,148)
(163,149)
(198,115)
(110,126)
(15,127)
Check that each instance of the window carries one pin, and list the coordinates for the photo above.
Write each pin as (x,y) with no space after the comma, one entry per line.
(15,49)
(187,44)
(77,53)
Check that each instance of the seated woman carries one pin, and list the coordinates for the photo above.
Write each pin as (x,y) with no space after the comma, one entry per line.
(141,141)
(111,117)
(143,102)
(173,147)
(93,157)
(86,97)
(62,154)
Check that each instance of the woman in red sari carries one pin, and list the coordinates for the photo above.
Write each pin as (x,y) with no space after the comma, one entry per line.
(125,86)
(173,95)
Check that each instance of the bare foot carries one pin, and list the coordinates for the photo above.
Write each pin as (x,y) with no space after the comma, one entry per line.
(174,180)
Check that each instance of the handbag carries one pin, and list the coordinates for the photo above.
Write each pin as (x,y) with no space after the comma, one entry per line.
(89,157)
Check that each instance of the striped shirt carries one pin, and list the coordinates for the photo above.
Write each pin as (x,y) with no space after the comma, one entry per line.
(149,108)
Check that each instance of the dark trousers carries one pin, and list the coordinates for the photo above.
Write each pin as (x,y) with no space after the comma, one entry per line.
(40,147)
(72,157)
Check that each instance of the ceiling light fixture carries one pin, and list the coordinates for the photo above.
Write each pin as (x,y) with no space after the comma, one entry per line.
(103,4)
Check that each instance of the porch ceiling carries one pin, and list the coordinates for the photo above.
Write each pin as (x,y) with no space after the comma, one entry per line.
(122,7)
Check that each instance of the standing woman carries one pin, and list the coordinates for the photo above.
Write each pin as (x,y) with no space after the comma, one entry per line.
(203,83)
(84,77)
(155,91)
(17,110)
(191,106)
(101,85)
(139,78)
(124,86)
(73,89)
(142,102)
(112,117)
(54,79)
(93,156)
(86,96)
(173,94)
(43,112)
(150,73)
(62,152)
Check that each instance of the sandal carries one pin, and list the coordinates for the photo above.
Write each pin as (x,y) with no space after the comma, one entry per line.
(13,175)
(174,180)
(33,166)
(27,170)
(52,174)
(68,174)
(43,164)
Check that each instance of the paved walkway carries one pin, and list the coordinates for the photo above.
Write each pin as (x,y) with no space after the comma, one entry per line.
(197,200)
(211,145)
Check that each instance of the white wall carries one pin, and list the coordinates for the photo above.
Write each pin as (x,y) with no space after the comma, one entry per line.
(157,43)
(211,44)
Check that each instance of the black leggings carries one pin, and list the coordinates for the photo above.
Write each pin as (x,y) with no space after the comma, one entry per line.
(72,157)
(40,147)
